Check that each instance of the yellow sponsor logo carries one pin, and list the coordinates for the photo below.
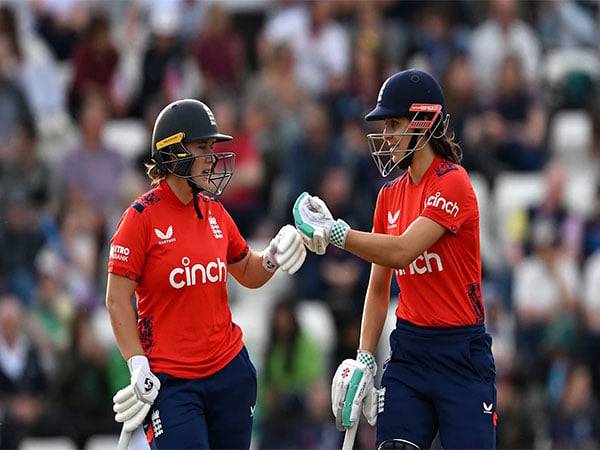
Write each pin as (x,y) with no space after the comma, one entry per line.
(173,139)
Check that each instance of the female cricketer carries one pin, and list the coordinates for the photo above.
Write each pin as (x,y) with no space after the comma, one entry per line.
(441,373)
(192,383)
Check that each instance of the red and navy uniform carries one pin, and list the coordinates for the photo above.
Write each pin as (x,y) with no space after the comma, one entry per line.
(441,373)
(441,287)
(180,264)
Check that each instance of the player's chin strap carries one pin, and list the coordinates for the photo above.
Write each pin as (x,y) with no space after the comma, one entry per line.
(195,191)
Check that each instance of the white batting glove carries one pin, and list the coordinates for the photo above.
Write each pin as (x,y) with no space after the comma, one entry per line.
(352,384)
(285,250)
(316,225)
(132,403)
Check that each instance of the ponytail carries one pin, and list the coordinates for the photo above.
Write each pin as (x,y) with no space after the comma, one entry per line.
(447,148)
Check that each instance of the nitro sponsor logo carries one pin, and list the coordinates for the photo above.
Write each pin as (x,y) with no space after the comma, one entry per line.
(428,262)
(437,201)
(393,219)
(213,272)
(119,253)
(214,226)
(166,237)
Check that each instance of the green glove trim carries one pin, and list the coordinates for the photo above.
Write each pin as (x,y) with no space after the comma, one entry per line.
(306,229)
(350,393)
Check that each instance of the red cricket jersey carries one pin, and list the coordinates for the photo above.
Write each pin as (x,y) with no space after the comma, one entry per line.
(180,264)
(441,287)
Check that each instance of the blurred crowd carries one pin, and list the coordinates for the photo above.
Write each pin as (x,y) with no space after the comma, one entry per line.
(82,82)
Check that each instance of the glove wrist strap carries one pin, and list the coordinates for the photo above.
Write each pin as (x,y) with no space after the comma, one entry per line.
(269,263)
(338,233)
(367,358)
(137,361)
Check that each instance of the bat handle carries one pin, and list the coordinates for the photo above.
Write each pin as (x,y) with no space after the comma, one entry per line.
(349,437)
(124,439)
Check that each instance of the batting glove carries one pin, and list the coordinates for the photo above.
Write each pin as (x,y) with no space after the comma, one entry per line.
(316,225)
(285,250)
(132,403)
(353,389)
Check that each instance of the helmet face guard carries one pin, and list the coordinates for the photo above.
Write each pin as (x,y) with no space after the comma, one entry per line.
(427,122)
(173,157)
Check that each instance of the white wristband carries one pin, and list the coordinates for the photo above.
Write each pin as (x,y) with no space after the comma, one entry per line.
(137,361)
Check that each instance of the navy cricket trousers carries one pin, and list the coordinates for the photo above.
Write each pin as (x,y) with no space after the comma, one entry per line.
(439,379)
(215,412)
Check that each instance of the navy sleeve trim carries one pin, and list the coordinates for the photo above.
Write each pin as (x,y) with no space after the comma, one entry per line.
(239,257)
(138,207)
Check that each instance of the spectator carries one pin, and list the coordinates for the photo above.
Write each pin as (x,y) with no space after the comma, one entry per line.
(574,424)
(313,152)
(515,426)
(553,209)
(95,61)
(219,52)
(544,293)
(162,63)
(503,34)
(24,183)
(567,24)
(92,172)
(437,37)
(321,46)
(22,380)
(60,24)
(15,111)
(513,125)
(52,309)
(591,229)
(293,362)
(82,395)
(241,197)
(35,70)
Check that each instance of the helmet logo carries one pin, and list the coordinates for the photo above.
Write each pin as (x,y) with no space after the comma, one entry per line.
(170,140)
(210,115)
(382,89)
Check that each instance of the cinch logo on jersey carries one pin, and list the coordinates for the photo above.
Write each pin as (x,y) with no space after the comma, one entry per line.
(165,238)
(437,201)
(213,272)
(119,252)
(214,226)
(393,219)
(423,264)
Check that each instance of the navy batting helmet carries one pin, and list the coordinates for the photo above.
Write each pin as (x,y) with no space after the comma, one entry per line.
(415,95)
(180,123)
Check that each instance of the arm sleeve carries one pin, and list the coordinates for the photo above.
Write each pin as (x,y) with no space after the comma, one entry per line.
(128,246)
(450,201)
(378,224)
(237,248)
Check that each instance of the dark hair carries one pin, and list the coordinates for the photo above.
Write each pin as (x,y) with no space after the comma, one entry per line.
(447,148)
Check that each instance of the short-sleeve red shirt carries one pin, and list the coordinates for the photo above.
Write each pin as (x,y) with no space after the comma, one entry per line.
(180,263)
(441,287)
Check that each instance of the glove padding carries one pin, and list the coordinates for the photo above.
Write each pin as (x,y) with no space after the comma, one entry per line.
(132,403)
(316,225)
(353,390)
(285,250)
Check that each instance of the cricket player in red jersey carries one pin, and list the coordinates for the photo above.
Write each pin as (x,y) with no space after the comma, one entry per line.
(192,383)
(441,373)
